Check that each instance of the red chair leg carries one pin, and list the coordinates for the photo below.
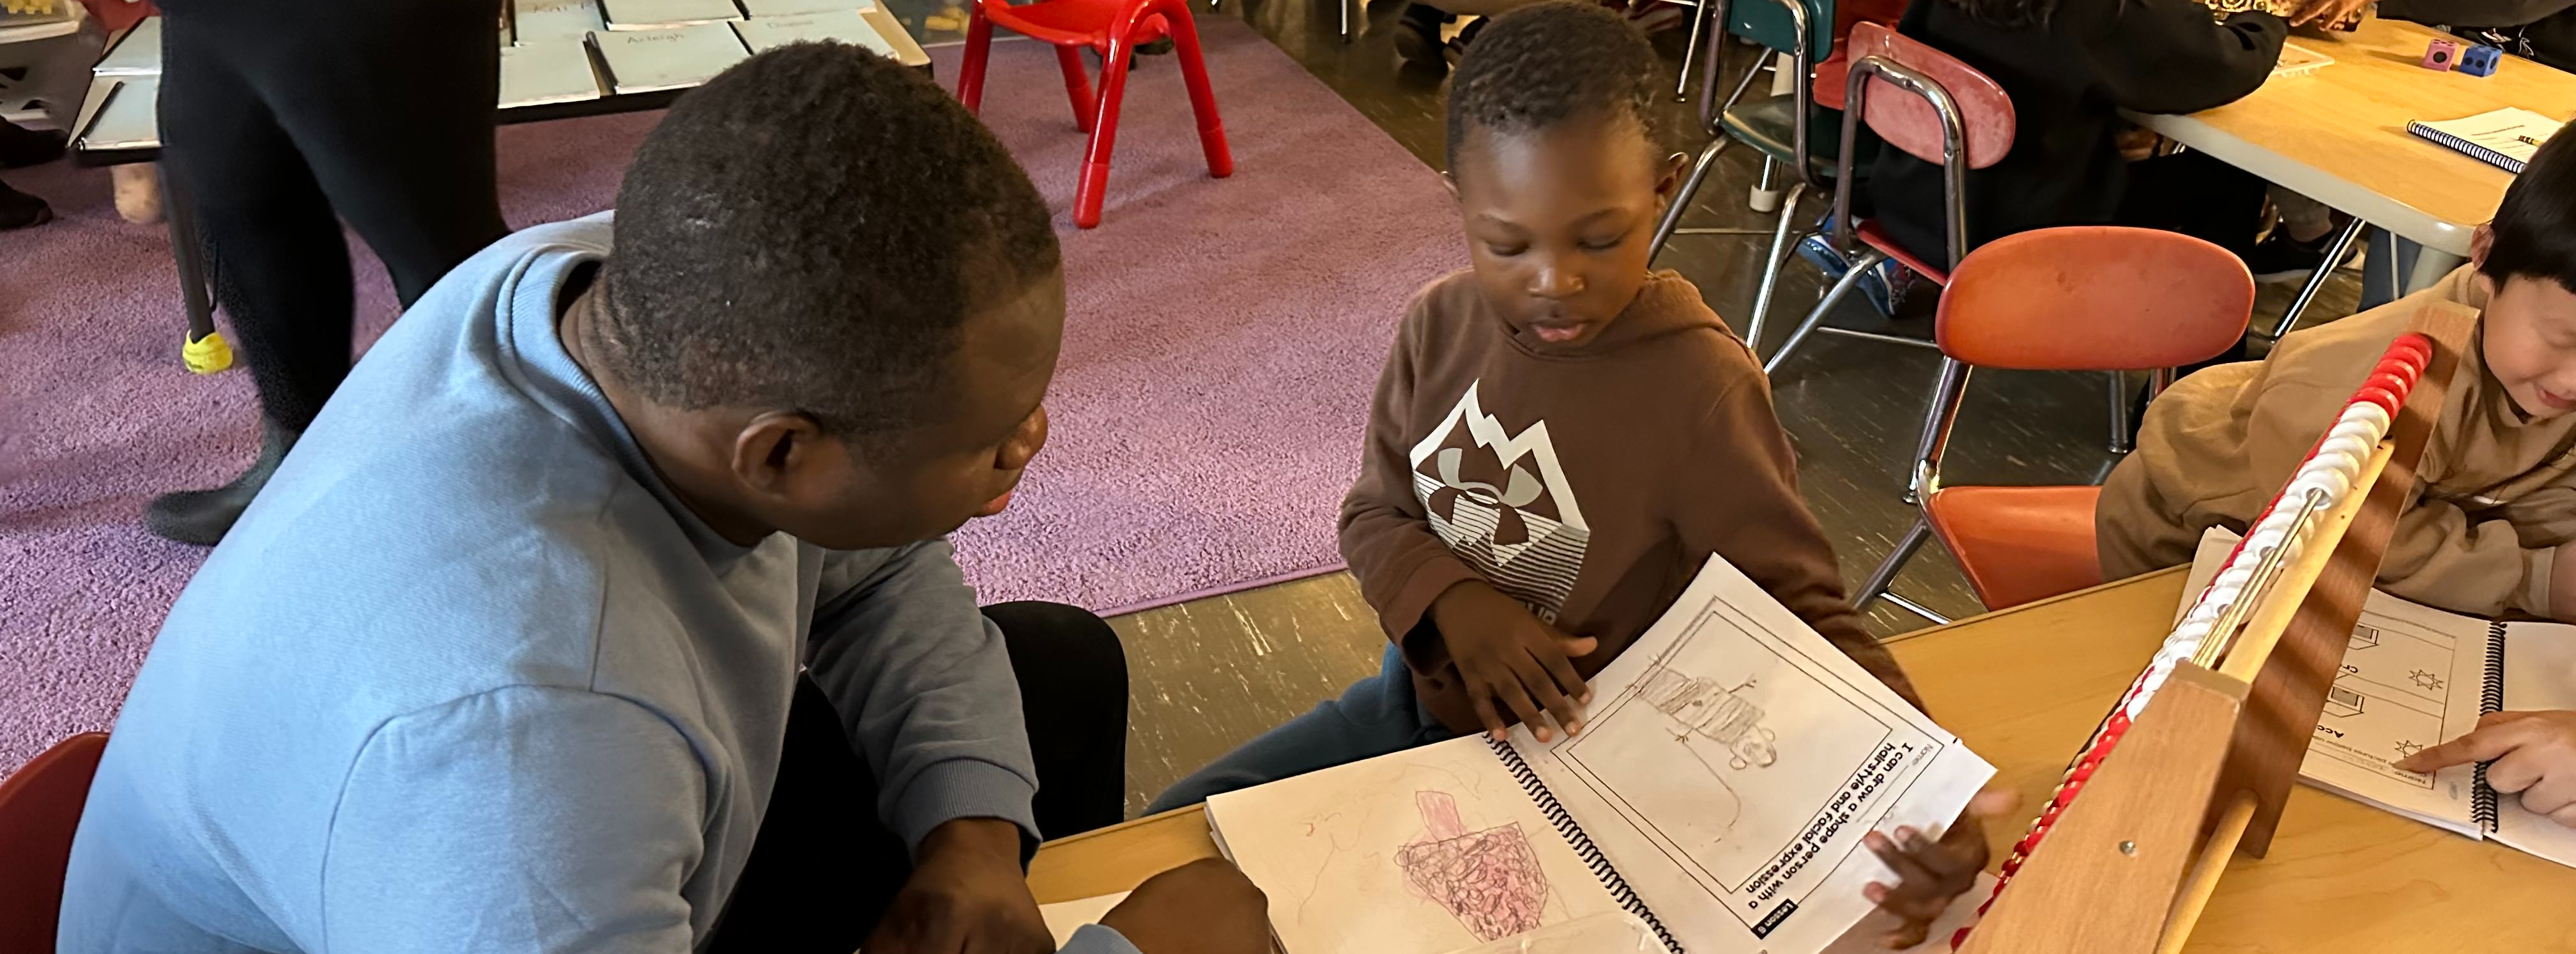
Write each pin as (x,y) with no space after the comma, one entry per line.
(970,71)
(1094,184)
(1077,85)
(1185,41)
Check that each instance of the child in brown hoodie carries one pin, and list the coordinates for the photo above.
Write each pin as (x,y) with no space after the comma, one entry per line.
(1561,438)
(2488,529)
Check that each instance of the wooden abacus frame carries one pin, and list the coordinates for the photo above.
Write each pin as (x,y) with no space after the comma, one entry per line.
(2205,768)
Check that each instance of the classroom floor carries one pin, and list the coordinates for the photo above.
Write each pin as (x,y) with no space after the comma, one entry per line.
(1212,673)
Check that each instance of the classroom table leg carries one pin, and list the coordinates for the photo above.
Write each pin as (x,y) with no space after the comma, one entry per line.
(2336,252)
(2430,266)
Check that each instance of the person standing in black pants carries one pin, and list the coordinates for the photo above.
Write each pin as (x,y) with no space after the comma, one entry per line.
(279,120)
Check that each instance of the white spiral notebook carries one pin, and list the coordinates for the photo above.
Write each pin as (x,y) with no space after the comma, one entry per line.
(2505,138)
(2414,676)
(1728,767)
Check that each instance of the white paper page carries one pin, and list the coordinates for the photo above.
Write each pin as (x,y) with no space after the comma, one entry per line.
(642,61)
(538,21)
(1730,763)
(547,71)
(1420,852)
(138,53)
(649,14)
(763,34)
(2410,679)
(128,116)
(1065,917)
(2502,130)
(781,8)
(2539,673)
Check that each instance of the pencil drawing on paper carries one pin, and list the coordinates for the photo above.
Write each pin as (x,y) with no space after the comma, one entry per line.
(1489,880)
(1716,713)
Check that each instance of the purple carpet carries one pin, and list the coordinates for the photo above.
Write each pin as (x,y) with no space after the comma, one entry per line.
(1224,336)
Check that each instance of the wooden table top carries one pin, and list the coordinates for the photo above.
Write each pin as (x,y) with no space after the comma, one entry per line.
(2339,134)
(2024,687)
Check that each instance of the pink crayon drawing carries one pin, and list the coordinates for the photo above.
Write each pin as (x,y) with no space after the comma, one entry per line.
(1489,880)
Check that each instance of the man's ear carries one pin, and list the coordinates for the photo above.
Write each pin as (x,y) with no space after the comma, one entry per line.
(773,448)
(2481,241)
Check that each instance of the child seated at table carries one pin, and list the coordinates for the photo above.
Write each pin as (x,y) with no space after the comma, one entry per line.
(1561,438)
(2490,529)
(2069,69)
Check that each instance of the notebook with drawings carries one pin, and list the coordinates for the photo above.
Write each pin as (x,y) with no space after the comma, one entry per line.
(2504,138)
(1728,766)
(642,61)
(782,8)
(537,72)
(763,34)
(2414,676)
(653,14)
(536,21)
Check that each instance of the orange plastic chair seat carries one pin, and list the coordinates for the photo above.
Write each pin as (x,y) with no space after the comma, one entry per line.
(39,808)
(2019,544)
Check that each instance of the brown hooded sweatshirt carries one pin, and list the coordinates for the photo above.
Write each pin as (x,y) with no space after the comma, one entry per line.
(1589,482)
(2497,490)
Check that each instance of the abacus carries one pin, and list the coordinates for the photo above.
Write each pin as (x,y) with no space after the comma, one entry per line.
(2209,737)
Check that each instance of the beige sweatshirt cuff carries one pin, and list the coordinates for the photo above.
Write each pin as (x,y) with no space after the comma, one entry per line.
(2536,564)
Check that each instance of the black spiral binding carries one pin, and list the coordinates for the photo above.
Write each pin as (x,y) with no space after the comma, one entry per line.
(1582,843)
(2482,799)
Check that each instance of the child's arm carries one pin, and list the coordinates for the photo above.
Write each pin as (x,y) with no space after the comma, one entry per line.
(2533,753)
(1739,500)
(1401,566)
(2436,555)
(2165,56)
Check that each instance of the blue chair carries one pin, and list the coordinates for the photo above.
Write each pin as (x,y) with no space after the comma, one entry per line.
(1784,128)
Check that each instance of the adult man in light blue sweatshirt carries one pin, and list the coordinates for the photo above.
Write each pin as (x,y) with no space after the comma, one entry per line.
(506,658)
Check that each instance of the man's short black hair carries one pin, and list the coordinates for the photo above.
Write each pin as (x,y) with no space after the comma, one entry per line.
(809,231)
(1538,66)
(2535,227)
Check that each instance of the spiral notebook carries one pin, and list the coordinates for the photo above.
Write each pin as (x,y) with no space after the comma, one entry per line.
(1729,764)
(2505,138)
(2414,676)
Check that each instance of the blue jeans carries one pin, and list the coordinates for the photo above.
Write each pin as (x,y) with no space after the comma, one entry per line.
(1375,716)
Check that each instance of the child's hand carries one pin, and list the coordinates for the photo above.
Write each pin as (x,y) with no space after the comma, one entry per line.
(1930,873)
(1505,654)
(2534,753)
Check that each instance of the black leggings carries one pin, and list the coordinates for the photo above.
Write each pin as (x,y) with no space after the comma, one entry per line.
(824,867)
(280,118)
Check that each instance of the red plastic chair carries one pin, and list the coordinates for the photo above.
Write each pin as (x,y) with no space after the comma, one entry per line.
(2081,298)
(1114,28)
(39,808)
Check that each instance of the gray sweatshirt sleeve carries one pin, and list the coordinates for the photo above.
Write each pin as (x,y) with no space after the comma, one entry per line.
(924,684)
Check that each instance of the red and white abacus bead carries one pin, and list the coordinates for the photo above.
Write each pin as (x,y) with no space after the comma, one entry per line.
(2319,484)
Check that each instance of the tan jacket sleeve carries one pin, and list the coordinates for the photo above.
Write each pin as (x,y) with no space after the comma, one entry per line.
(2436,555)
(1400,564)
(1741,503)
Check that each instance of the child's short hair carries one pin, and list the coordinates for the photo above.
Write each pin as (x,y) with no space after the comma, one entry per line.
(810,230)
(1541,65)
(2535,227)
